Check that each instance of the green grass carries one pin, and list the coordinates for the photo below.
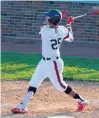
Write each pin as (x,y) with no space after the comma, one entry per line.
(15,65)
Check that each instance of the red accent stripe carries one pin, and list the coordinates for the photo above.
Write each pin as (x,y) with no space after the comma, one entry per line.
(66,36)
(57,73)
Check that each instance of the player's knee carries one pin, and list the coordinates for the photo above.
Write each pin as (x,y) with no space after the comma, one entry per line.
(60,89)
(68,90)
(33,89)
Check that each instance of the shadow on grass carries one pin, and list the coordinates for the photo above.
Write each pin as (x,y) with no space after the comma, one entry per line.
(30,59)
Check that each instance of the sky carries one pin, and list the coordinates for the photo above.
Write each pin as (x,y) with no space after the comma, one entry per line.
(84,1)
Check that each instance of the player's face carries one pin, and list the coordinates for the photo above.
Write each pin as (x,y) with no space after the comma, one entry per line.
(46,20)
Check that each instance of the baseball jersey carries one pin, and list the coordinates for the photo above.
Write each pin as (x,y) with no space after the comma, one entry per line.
(52,39)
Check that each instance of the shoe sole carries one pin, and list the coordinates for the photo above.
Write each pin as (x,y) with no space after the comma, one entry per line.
(82,109)
(16,111)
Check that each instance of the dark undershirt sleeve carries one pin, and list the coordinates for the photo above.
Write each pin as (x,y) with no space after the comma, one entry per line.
(67,36)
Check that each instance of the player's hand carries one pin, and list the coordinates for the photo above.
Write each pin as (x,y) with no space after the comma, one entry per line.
(70,20)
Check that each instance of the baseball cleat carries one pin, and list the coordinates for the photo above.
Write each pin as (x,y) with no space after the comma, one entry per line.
(19,109)
(82,105)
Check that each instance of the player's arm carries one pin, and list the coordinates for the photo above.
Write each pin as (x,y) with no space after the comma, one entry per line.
(41,28)
(69,36)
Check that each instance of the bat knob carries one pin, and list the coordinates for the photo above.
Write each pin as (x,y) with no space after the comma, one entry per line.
(64,12)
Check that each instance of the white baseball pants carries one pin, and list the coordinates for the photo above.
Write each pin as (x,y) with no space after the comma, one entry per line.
(53,70)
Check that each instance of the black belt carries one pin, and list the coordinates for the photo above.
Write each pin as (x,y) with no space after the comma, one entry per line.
(47,58)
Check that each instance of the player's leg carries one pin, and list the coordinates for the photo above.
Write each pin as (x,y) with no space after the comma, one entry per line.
(81,101)
(38,76)
(57,80)
(55,75)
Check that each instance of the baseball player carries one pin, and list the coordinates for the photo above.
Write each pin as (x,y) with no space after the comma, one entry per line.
(51,65)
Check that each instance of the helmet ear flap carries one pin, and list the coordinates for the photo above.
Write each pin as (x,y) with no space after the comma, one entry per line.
(53,21)
(50,20)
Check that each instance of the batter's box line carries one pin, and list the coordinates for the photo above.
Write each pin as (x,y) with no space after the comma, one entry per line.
(11,115)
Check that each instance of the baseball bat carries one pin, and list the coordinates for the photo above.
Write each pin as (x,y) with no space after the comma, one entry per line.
(95,12)
(64,12)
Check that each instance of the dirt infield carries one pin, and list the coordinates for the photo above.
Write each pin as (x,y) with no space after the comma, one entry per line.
(49,101)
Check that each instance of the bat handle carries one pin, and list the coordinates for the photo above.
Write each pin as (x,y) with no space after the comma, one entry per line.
(79,16)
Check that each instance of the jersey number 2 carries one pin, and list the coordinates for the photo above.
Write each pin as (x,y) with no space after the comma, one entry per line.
(55,43)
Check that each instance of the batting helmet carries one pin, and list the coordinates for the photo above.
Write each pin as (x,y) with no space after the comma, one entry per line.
(55,16)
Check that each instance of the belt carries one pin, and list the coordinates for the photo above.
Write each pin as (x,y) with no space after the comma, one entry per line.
(47,58)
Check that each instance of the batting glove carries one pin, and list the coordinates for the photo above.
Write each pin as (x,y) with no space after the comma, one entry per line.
(70,20)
